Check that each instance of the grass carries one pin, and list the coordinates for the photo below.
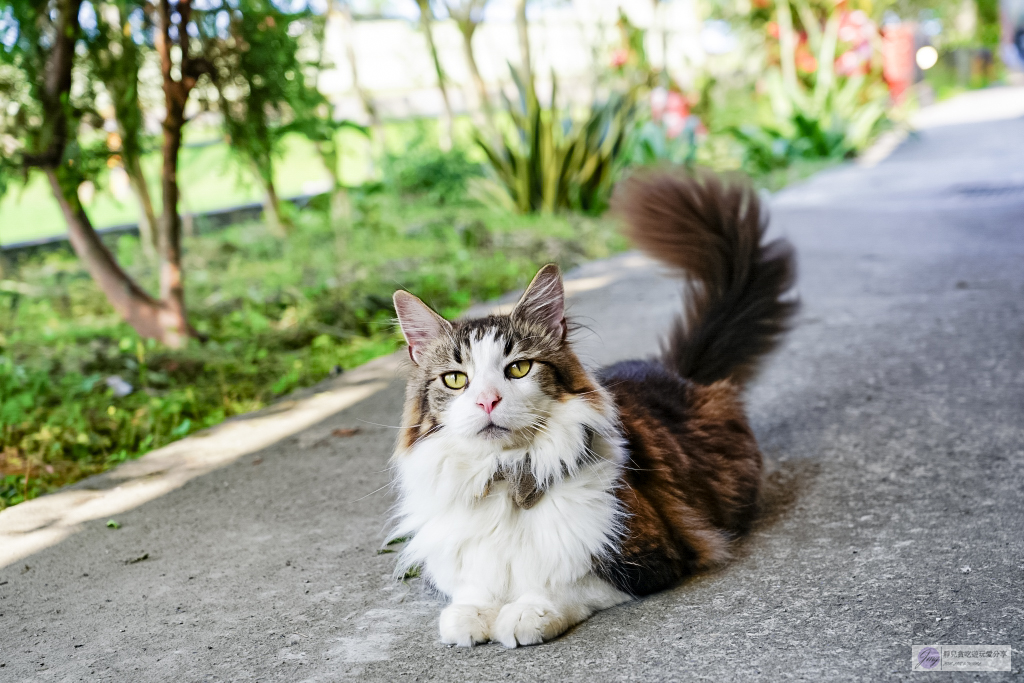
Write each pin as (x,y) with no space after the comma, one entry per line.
(211,178)
(279,315)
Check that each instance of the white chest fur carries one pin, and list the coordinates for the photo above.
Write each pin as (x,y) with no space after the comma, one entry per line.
(469,536)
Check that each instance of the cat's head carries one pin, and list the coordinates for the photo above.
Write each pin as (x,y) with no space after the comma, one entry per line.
(496,379)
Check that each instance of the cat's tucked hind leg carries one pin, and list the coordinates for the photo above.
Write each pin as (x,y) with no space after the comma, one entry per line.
(467,625)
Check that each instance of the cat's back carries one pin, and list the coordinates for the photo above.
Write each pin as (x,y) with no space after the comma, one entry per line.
(650,395)
(692,474)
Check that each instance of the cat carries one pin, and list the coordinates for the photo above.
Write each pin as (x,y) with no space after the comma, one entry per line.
(534,492)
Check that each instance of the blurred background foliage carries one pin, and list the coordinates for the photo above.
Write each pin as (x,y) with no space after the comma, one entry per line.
(459,208)
(82,391)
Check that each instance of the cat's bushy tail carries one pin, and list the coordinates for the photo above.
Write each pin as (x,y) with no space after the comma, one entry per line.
(713,230)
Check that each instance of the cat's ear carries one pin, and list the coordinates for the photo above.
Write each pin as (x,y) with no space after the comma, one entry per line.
(420,325)
(544,301)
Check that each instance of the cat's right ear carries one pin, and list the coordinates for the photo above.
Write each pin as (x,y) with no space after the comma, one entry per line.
(544,301)
(420,325)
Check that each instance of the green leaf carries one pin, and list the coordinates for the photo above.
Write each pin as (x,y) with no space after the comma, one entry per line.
(182,429)
(552,162)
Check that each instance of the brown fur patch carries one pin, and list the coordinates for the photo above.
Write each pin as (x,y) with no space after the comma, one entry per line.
(713,231)
(691,482)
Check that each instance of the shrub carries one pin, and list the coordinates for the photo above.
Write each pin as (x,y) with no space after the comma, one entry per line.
(822,107)
(424,169)
(551,161)
(649,144)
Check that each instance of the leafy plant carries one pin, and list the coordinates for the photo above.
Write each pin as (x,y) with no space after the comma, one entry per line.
(262,87)
(767,148)
(817,112)
(47,104)
(650,144)
(553,161)
(424,169)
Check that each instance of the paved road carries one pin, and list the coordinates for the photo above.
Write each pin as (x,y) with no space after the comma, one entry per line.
(893,421)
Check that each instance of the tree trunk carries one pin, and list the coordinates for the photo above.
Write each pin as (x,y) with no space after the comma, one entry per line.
(523,30)
(468,28)
(132,303)
(339,206)
(277,223)
(176,92)
(147,215)
(149,317)
(426,21)
(341,221)
(172,286)
(368,104)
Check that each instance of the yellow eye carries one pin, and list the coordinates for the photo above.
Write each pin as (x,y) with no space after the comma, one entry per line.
(519,369)
(454,380)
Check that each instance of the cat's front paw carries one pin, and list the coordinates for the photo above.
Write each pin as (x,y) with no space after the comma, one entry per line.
(466,625)
(524,623)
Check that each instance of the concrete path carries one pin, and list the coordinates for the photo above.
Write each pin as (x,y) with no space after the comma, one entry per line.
(893,421)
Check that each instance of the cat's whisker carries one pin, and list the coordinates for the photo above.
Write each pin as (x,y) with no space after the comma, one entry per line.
(377,424)
(388,485)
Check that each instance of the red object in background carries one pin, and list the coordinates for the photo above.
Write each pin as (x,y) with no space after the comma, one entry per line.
(898,59)
(856,34)
(805,61)
(676,112)
(671,109)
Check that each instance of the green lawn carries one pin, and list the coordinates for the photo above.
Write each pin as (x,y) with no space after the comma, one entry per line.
(277,314)
(211,178)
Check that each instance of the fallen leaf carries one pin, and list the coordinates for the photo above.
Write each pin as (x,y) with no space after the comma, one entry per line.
(138,559)
(345,433)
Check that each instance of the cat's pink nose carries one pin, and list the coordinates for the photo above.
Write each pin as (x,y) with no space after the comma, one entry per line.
(488,400)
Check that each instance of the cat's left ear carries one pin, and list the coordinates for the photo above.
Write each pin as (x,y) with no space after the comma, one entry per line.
(420,325)
(544,302)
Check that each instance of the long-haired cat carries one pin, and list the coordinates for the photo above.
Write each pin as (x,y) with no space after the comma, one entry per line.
(535,492)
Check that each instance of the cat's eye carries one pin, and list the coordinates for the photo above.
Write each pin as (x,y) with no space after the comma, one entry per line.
(454,380)
(519,369)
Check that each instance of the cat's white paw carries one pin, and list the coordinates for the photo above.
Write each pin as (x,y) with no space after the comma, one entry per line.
(524,623)
(466,625)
